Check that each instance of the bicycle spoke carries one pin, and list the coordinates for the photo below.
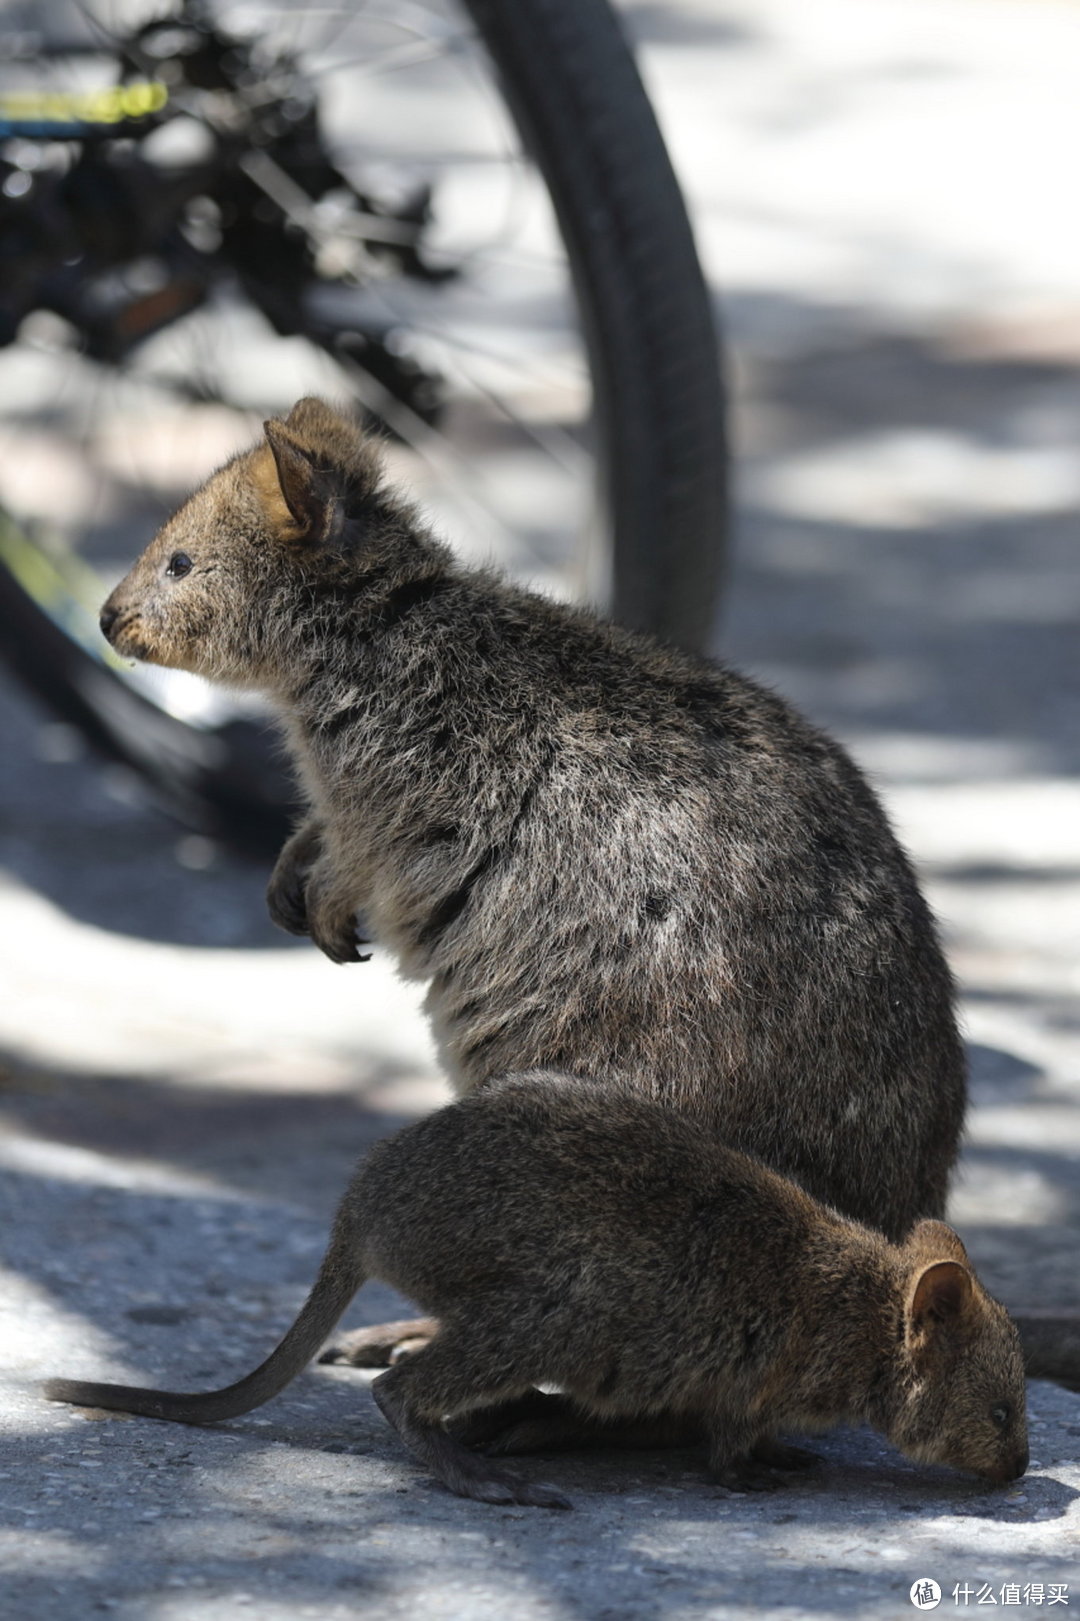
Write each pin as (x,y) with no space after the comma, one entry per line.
(396,60)
(496,370)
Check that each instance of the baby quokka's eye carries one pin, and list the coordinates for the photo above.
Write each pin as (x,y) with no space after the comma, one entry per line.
(179,565)
(1001,1414)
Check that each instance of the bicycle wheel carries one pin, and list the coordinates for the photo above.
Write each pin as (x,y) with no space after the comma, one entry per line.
(654,354)
(540,429)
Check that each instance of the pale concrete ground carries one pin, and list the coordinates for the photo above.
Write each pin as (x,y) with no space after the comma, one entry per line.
(882,194)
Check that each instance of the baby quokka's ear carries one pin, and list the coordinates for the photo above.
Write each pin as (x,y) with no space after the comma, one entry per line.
(941,1306)
(936,1240)
(308,502)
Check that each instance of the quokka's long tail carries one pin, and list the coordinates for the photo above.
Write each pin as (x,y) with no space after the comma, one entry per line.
(340,1276)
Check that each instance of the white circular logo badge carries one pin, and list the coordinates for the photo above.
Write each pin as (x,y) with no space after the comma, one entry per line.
(925,1594)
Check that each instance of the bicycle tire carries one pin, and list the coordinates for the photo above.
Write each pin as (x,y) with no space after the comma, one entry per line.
(572,88)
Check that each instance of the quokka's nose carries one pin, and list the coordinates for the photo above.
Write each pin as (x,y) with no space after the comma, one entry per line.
(109,616)
(1010,1470)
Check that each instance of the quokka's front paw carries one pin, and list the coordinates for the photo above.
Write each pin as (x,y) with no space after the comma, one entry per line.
(286,901)
(748,1473)
(337,937)
(286,894)
(780,1455)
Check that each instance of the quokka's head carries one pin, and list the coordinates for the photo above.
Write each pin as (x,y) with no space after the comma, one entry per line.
(222,588)
(960,1397)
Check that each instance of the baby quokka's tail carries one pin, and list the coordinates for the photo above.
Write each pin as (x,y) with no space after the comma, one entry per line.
(340,1276)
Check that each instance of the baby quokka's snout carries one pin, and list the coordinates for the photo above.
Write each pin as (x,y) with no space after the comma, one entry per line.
(1012,1469)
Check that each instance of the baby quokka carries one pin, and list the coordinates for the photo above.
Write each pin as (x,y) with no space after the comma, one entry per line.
(575,1235)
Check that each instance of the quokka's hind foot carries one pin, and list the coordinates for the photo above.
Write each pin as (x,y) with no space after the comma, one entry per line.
(488,1484)
(530,1423)
(382,1345)
(459,1470)
(542,1423)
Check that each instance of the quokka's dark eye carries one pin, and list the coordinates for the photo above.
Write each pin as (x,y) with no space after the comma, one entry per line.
(179,565)
(1000,1414)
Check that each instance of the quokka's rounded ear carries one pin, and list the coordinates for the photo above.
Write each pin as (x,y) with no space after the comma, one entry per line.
(937,1240)
(311,493)
(941,1296)
(314,420)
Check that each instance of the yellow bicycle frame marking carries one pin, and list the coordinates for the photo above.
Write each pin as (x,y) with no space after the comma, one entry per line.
(109,106)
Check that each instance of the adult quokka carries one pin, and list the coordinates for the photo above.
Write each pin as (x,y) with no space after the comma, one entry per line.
(571,1233)
(605,856)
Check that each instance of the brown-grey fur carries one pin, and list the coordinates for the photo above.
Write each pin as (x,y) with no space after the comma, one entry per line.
(569,1233)
(605,856)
